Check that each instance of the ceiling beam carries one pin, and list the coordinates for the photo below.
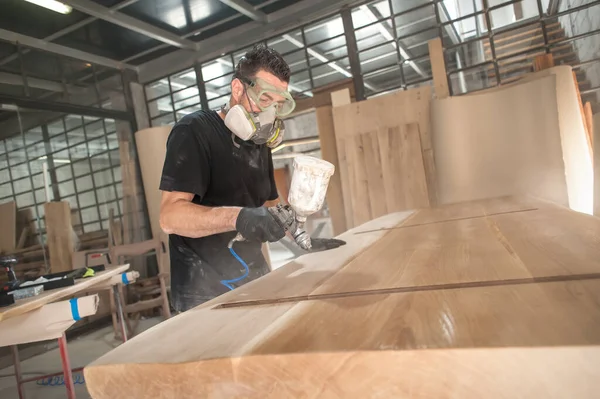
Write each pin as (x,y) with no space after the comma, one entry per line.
(280,21)
(373,15)
(247,9)
(40,44)
(53,106)
(125,21)
(332,64)
(196,32)
(68,30)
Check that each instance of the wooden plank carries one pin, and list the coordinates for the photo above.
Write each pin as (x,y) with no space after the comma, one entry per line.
(323,347)
(359,186)
(518,291)
(543,61)
(329,152)
(23,238)
(474,209)
(589,122)
(152,146)
(60,236)
(304,274)
(438,68)
(8,216)
(402,168)
(341,98)
(380,114)
(23,306)
(588,134)
(372,162)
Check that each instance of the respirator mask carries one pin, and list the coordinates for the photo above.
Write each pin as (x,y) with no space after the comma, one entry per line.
(264,127)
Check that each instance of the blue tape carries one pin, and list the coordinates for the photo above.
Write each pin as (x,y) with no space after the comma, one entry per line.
(74,309)
(124,278)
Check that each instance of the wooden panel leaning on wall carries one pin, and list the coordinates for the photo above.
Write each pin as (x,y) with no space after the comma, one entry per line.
(490,298)
(381,137)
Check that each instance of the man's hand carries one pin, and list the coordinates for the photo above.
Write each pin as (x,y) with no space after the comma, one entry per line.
(257,224)
(323,244)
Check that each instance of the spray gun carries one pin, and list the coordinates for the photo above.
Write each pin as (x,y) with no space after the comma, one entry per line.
(307,195)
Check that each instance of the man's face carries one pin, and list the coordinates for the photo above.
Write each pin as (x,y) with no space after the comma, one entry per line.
(240,97)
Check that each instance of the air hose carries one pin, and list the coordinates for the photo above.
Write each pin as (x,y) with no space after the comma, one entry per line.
(227,283)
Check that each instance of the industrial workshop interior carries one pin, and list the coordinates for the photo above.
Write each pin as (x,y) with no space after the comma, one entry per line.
(299,199)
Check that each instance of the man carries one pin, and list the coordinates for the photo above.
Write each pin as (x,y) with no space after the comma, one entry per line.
(218,180)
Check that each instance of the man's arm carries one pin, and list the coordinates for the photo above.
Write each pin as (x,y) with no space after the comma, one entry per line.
(178,215)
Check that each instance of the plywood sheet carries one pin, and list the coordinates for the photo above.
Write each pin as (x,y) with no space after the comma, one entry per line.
(505,142)
(385,134)
(60,236)
(577,159)
(152,148)
(8,233)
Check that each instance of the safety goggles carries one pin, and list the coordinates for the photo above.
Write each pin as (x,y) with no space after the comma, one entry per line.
(265,95)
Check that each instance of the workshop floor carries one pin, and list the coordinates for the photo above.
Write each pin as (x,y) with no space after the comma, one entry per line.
(82,351)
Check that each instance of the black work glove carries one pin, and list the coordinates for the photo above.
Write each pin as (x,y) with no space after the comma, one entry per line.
(257,224)
(323,244)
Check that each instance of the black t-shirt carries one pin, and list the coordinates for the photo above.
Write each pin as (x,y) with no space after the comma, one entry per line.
(202,159)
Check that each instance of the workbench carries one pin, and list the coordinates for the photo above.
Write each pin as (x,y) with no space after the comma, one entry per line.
(498,298)
(23,310)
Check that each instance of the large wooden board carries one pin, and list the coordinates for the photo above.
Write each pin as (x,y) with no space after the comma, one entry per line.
(8,234)
(152,148)
(505,142)
(384,152)
(494,303)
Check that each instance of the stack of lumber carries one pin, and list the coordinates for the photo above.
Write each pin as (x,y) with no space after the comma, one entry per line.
(494,298)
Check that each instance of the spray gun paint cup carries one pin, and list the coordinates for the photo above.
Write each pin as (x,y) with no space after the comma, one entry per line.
(309,185)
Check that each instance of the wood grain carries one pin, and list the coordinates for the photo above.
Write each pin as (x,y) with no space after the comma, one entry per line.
(491,321)
(357,175)
(389,114)
(60,236)
(372,161)
(465,304)
(300,277)
(543,61)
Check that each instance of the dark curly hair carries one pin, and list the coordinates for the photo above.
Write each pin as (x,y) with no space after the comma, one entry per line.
(265,58)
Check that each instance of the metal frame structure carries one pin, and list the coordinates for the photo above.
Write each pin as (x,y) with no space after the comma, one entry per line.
(445,26)
(109,141)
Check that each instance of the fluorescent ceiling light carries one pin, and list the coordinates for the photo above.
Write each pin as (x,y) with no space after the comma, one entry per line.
(53,5)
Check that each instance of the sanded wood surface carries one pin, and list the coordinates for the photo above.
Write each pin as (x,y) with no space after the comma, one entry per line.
(501,301)
(28,304)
